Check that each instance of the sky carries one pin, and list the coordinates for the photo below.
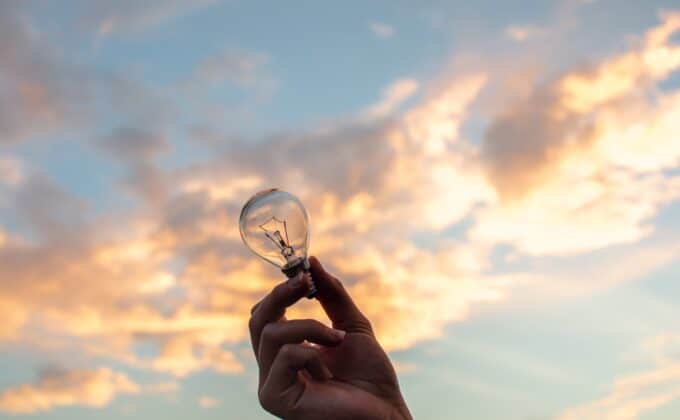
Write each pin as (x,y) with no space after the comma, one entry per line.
(496,182)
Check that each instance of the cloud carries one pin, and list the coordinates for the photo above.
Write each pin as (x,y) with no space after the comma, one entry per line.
(180,355)
(208,402)
(138,149)
(193,313)
(16,316)
(242,68)
(634,394)
(247,72)
(625,74)
(32,79)
(361,192)
(132,16)
(605,136)
(55,388)
(11,171)
(577,111)
(393,96)
(522,33)
(43,92)
(109,315)
(420,291)
(381,30)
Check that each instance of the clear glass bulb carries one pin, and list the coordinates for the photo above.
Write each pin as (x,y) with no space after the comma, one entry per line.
(275,225)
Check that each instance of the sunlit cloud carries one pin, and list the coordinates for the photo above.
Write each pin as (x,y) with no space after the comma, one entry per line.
(394,95)
(579,135)
(55,388)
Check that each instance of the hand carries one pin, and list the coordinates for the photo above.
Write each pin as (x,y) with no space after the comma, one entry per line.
(310,371)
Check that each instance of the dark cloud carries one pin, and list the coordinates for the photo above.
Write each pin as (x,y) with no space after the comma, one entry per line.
(347,158)
(34,83)
(138,148)
(134,144)
(48,210)
(41,90)
(528,140)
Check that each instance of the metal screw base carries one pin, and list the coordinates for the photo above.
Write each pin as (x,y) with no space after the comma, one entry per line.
(301,265)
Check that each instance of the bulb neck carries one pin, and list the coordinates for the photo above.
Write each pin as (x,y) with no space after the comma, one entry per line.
(294,267)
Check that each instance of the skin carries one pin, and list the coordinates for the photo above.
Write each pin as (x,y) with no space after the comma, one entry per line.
(310,371)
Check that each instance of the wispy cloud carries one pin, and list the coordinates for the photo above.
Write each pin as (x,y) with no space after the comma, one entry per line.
(237,66)
(393,96)
(133,16)
(208,402)
(634,394)
(381,30)
(522,33)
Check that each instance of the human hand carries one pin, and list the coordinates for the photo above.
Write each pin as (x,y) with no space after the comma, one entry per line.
(344,374)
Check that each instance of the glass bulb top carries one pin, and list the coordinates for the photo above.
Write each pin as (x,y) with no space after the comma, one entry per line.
(275,225)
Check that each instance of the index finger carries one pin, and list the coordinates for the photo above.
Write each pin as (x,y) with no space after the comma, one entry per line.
(273,306)
(336,301)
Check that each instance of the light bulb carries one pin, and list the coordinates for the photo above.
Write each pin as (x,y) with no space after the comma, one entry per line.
(275,226)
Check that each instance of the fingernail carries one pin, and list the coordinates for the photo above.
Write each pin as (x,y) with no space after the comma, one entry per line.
(340,334)
(296,281)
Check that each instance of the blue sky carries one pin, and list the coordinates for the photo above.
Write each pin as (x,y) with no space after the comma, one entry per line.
(496,183)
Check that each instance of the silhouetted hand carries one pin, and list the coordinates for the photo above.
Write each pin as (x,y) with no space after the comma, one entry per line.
(309,371)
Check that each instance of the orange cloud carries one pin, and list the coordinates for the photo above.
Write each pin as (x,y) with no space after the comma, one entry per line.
(410,295)
(624,74)
(579,164)
(94,388)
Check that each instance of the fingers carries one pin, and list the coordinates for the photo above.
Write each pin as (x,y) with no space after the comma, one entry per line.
(335,300)
(277,334)
(273,306)
(282,388)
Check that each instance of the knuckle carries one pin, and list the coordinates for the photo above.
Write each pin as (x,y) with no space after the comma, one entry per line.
(365,322)
(269,332)
(311,324)
(288,350)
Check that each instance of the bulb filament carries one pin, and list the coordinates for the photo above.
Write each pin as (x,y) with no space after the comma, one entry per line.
(275,236)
